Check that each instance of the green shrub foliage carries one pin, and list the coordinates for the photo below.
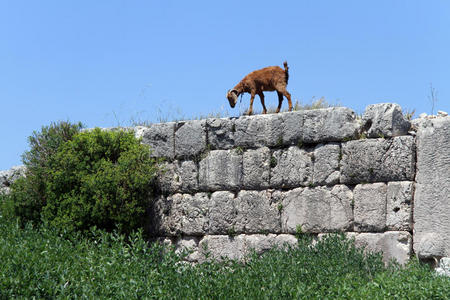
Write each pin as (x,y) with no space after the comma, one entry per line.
(92,178)
(101,179)
(29,193)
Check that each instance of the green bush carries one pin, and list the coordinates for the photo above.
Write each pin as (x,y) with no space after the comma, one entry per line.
(99,178)
(78,180)
(29,193)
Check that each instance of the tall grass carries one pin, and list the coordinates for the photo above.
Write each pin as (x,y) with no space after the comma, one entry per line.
(38,263)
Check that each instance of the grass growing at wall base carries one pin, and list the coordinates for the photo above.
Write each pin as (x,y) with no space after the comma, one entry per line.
(37,262)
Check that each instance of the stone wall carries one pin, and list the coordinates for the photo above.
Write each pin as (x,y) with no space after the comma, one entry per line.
(234,184)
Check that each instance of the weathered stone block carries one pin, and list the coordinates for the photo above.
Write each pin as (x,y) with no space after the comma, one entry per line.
(264,242)
(291,167)
(249,212)
(178,176)
(221,133)
(188,175)
(329,125)
(398,209)
(194,214)
(370,207)
(293,211)
(378,160)
(218,246)
(258,131)
(340,211)
(168,178)
(317,209)
(188,244)
(161,138)
(326,164)
(385,120)
(190,138)
(429,244)
(292,128)
(181,214)
(256,168)
(237,247)
(394,244)
(222,212)
(432,189)
(256,213)
(159,217)
(221,170)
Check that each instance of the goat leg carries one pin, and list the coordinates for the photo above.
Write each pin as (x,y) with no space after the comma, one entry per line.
(288,96)
(280,101)
(250,110)
(261,96)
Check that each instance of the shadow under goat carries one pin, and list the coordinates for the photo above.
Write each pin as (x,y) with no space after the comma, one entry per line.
(268,79)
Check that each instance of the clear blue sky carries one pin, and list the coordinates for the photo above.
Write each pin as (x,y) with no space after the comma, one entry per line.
(106,63)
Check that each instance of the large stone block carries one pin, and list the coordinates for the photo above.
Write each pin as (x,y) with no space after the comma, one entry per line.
(316,210)
(222,212)
(178,176)
(395,245)
(221,170)
(188,175)
(188,245)
(190,138)
(193,213)
(291,167)
(398,208)
(180,214)
(258,131)
(217,247)
(256,168)
(432,190)
(221,133)
(160,137)
(370,207)
(238,247)
(158,222)
(257,213)
(329,125)
(292,128)
(378,160)
(264,242)
(385,120)
(249,212)
(326,164)
(168,178)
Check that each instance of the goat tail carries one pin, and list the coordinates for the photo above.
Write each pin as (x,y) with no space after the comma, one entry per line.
(286,72)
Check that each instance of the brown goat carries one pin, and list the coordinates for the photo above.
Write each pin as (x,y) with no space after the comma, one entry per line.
(267,79)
